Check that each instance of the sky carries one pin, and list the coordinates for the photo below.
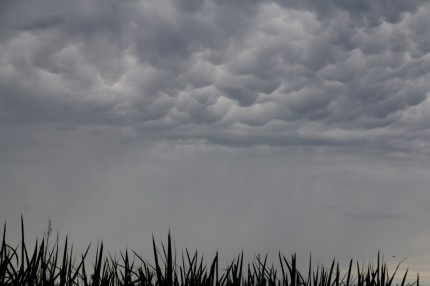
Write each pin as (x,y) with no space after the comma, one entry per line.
(262,126)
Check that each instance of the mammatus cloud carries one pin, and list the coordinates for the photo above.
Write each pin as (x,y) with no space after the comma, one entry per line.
(334,73)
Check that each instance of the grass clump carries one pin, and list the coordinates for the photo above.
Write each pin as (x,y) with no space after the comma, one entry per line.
(47,265)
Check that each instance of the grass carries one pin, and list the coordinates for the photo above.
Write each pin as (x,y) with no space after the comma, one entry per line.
(47,265)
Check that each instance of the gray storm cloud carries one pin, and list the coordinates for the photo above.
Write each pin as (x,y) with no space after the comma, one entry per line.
(258,71)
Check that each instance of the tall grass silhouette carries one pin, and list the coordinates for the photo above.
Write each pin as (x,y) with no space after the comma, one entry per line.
(48,265)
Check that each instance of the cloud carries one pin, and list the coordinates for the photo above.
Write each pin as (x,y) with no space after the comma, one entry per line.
(258,73)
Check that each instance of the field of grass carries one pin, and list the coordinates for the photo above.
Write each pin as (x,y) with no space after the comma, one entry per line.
(47,264)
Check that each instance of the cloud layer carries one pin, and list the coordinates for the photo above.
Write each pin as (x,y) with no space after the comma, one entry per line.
(329,73)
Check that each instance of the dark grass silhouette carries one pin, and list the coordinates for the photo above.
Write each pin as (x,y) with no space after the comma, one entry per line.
(46,265)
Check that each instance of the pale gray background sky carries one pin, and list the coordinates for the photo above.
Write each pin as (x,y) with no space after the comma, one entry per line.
(256,125)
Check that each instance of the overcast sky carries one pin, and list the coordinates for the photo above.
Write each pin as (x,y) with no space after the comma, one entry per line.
(300,126)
